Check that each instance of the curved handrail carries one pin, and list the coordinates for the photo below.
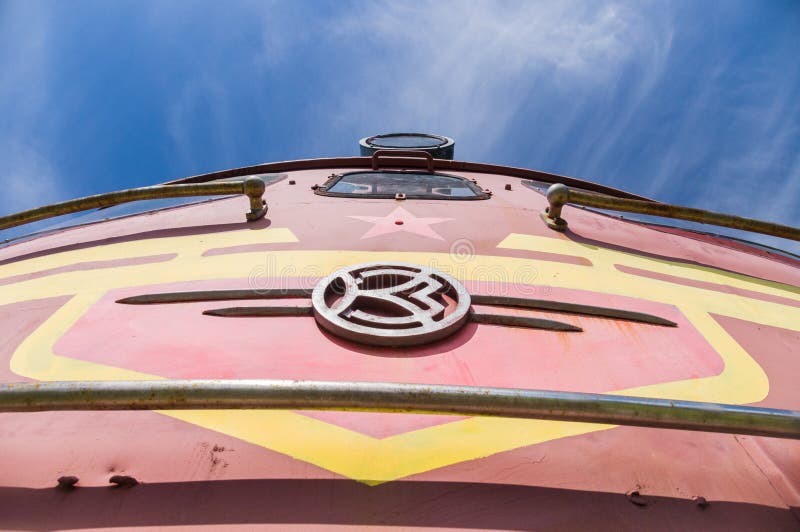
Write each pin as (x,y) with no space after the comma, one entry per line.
(252,187)
(393,397)
(559,195)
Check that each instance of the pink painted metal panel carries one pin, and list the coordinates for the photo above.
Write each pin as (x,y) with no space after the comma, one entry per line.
(195,476)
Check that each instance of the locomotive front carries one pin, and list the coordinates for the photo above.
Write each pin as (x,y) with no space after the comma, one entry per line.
(398,339)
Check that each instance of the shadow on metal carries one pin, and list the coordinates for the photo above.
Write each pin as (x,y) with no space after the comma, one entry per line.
(263,223)
(317,502)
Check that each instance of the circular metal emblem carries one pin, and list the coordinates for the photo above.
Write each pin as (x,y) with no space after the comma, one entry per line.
(396,304)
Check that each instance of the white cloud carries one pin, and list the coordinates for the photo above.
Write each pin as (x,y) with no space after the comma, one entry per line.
(741,129)
(579,76)
(465,69)
(769,167)
(27,178)
(201,108)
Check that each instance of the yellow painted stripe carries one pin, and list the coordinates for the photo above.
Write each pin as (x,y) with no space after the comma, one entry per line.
(368,459)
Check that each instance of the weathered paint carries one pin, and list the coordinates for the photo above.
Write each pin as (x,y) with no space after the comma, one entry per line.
(435,471)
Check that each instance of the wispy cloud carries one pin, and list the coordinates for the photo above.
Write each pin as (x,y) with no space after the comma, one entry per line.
(467,69)
(765,170)
(736,146)
(619,104)
(201,109)
(665,99)
(27,178)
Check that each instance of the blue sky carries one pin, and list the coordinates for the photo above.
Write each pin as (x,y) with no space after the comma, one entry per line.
(691,102)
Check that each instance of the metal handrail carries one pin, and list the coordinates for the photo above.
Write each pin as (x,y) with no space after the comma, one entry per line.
(391,397)
(252,187)
(559,195)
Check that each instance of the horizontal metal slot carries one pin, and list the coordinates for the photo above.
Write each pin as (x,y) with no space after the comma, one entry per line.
(571,308)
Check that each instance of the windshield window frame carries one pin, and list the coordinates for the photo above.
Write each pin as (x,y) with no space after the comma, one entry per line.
(471,184)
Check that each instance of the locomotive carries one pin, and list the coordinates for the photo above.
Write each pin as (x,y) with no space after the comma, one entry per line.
(397,339)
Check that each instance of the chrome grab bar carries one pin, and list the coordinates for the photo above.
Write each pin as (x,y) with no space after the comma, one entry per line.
(391,397)
(252,187)
(559,195)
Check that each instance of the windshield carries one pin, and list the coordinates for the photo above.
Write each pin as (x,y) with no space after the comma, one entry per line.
(420,185)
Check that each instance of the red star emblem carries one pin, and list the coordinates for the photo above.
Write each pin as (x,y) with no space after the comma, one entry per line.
(400,220)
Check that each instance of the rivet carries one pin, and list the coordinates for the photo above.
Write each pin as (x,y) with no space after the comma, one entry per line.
(123,481)
(67,482)
(701,502)
(636,498)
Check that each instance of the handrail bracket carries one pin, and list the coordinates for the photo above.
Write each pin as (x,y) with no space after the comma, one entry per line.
(254,188)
